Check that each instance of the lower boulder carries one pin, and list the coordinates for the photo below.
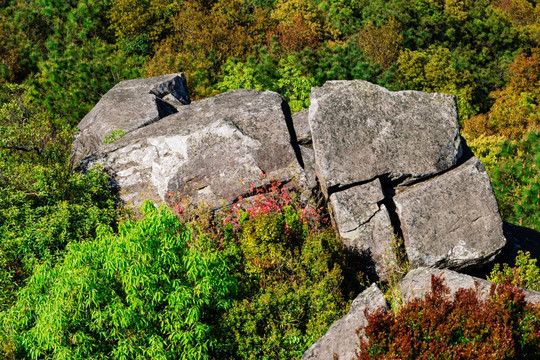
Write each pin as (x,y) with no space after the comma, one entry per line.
(452,220)
(418,282)
(341,339)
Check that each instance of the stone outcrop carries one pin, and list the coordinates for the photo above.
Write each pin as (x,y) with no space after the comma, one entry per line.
(212,150)
(418,282)
(341,338)
(128,106)
(362,131)
(365,138)
(451,220)
(387,163)
(360,142)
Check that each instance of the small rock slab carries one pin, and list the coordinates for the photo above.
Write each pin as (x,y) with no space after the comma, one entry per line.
(452,220)
(362,131)
(301,127)
(308,158)
(363,222)
(212,150)
(417,283)
(341,338)
(129,105)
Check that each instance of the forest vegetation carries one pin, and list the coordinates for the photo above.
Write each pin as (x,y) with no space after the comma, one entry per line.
(81,277)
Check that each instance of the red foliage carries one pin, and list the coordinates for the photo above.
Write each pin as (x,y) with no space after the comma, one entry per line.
(458,327)
(293,36)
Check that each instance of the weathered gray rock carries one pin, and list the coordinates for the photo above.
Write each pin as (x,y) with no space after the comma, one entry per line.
(308,158)
(128,106)
(341,338)
(362,131)
(452,220)
(301,127)
(363,222)
(211,150)
(418,282)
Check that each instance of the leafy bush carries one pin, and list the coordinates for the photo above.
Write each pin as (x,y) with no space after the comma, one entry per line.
(513,166)
(148,291)
(465,327)
(43,204)
(113,136)
(526,274)
(259,281)
(294,275)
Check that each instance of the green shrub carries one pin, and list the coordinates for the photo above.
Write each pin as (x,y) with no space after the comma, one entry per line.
(514,169)
(526,274)
(113,136)
(263,280)
(294,275)
(439,327)
(146,292)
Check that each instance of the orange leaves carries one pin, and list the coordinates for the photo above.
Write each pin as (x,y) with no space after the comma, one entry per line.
(516,110)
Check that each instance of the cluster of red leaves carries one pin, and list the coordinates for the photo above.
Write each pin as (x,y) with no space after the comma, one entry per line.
(267,200)
(270,200)
(294,35)
(462,327)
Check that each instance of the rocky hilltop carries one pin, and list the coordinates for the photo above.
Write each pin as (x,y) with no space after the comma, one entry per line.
(387,163)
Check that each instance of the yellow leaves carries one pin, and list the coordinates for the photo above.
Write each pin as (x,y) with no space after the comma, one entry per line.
(521,12)
(382,44)
(487,148)
(457,9)
(203,39)
(516,110)
(132,18)
(432,70)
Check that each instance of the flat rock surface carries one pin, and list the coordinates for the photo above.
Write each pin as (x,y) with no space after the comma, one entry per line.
(308,158)
(418,282)
(128,106)
(362,131)
(451,220)
(301,127)
(212,150)
(363,222)
(341,338)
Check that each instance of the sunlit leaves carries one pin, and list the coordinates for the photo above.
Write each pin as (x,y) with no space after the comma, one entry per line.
(141,293)
(434,71)
(516,110)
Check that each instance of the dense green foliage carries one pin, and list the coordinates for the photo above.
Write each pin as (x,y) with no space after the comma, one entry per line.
(259,283)
(457,327)
(514,168)
(143,292)
(58,58)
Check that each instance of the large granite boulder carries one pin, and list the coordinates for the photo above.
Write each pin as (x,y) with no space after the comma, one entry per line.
(363,222)
(418,282)
(451,220)
(212,150)
(341,338)
(128,106)
(362,131)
